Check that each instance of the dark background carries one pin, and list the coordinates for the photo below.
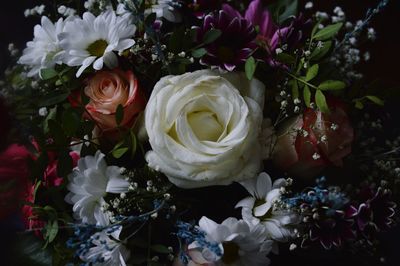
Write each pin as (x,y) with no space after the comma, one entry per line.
(384,64)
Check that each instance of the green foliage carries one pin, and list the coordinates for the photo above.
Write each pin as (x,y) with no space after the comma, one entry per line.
(283,9)
(30,251)
(332,85)
(119,114)
(328,32)
(321,101)
(250,67)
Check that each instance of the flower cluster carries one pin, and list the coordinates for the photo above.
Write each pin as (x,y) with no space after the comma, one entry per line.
(133,118)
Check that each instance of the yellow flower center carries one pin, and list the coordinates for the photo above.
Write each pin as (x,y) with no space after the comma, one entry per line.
(97,48)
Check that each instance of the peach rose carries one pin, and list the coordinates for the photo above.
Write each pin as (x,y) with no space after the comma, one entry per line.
(311,141)
(109,89)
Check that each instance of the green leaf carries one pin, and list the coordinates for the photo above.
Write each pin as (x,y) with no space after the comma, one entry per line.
(312,72)
(47,73)
(328,32)
(199,53)
(119,114)
(319,53)
(359,104)
(375,100)
(330,85)
(285,58)
(283,9)
(250,67)
(307,95)
(150,19)
(211,36)
(160,249)
(70,121)
(321,101)
(133,142)
(118,153)
(54,99)
(51,230)
(290,10)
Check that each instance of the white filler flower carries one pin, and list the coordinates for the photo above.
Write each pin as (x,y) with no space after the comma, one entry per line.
(106,250)
(44,50)
(88,185)
(259,207)
(94,40)
(203,128)
(242,245)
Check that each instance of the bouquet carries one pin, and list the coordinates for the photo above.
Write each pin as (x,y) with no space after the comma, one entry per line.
(195,132)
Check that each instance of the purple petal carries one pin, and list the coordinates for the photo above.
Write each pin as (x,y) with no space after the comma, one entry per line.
(231,11)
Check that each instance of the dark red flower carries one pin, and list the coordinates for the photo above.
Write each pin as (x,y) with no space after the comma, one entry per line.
(14,178)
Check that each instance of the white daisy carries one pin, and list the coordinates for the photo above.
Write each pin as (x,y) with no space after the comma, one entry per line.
(106,250)
(241,244)
(44,51)
(259,208)
(94,40)
(167,9)
(89,183)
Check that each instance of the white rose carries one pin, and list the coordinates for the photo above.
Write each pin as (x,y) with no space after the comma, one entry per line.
(204,126)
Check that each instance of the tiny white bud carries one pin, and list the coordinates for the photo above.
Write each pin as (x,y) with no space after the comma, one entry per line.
(43,111)
(292,247)
(316,156)
(309,5)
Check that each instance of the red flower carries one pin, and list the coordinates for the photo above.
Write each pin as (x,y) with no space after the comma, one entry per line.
(314,140)
(14,178)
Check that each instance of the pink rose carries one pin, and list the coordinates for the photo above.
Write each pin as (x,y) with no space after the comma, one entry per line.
(108,89)
(14,178)
(310,142)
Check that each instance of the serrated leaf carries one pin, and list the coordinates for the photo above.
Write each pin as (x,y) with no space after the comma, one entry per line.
(198,53)
(330,85)
(319,53)
(211,36)
(48,73)
(118,153)
(375,100)
(160,249)
(328,32)
(312,72)
(250,67)
(307,95)
(119,114)
(320,100)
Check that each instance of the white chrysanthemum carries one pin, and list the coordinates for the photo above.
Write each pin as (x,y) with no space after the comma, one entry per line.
(111,250)
(241,243)
(44,51)
(94,40)
(259,208)
(89,184)
(162,8)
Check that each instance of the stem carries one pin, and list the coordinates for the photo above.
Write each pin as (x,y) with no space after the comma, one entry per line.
(302,81)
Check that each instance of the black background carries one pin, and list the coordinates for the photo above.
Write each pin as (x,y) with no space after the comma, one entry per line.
(384,64)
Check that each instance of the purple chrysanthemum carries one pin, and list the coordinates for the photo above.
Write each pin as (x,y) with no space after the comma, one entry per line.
(333,229)
(376,213)
(236,43)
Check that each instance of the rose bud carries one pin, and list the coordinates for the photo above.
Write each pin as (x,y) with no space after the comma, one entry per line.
(14,178)
(107,89)
(311,141)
